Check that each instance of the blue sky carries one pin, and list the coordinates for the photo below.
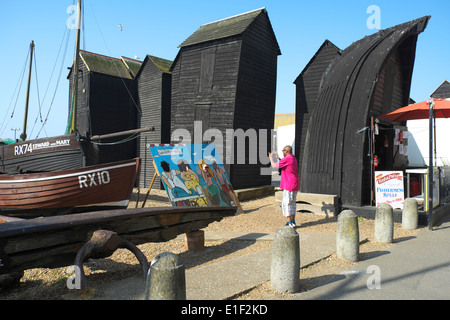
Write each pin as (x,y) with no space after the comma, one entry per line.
(158,27)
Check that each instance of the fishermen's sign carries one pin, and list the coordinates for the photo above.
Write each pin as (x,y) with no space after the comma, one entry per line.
(389,188)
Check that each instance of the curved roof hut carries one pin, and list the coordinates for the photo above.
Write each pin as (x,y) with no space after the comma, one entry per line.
(371,77)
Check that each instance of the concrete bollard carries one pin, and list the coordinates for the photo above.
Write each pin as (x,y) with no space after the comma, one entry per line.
(410,215)
(285,267)
(347,236)
(166,278)
(384,224)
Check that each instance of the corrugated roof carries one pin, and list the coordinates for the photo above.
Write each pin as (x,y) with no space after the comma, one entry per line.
(224,28)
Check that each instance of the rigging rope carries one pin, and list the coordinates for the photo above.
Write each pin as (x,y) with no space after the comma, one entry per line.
(59,76)
(115,67)
(37,84)
(18,85)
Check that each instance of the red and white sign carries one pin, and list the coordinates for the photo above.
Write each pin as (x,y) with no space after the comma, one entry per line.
(389,188)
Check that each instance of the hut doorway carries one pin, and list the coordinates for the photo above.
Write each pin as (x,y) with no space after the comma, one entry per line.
(383,153)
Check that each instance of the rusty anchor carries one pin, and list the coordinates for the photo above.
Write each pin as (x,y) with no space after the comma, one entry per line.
(102,244)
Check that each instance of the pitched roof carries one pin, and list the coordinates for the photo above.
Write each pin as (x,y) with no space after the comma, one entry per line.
(132,65)
(163,64)
(323,46)
(224,28)
(105,65)
(443,91)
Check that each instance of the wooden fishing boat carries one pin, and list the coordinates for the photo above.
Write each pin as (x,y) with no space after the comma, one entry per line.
(105,186)
(73,149)
(57,153)
(46,154)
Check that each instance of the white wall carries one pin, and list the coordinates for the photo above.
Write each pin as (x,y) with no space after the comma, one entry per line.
(418,144)
(285,136)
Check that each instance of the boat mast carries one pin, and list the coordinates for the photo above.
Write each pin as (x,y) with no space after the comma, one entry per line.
(23,136)
(73,126)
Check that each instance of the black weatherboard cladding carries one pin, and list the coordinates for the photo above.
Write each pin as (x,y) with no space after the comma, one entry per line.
(335,156)
(225,77)
(307,87)
(107,95)
(443,91)
(154,82)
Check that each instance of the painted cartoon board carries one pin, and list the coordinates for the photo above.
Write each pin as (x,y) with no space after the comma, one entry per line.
(193,175)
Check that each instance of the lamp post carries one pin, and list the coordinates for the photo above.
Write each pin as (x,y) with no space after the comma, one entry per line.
(430,165)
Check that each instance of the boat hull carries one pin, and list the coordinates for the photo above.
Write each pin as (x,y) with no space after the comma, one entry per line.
(77,190)
(46,154)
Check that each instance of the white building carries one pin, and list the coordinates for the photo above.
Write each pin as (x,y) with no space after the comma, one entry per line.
(418,141)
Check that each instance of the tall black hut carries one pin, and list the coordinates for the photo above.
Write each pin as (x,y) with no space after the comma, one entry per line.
(107,102)
(307,87)
(154,81)
(371,77)
(224,76)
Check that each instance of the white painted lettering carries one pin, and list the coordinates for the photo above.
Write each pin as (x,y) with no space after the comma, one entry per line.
(96,178)
(82,180)
(92,177)
(105,177)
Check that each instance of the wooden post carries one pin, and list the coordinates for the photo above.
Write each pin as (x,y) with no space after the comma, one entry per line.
(194,241)
(23,136)
(151,184)
(149,188)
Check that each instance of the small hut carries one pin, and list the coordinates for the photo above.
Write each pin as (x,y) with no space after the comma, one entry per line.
(442,92)
(224,76)
(107,95)
(154,82)
(307,87)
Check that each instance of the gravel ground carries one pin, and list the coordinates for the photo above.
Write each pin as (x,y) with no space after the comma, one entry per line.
(261,215)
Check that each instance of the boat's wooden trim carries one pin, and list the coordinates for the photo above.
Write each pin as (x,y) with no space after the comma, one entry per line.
(55,241)
(87,186)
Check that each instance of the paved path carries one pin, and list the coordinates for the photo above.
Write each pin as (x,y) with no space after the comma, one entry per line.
(226,279)
(229,278)
(417,268)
